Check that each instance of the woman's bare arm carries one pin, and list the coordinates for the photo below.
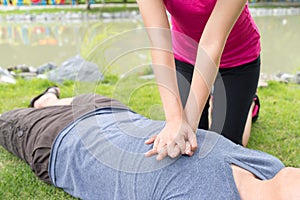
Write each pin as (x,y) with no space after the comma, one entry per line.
(172,139)
(210,49)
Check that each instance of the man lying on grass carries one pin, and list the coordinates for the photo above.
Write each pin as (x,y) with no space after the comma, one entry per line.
(93,147)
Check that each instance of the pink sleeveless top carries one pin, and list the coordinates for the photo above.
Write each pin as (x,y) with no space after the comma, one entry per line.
(189,18)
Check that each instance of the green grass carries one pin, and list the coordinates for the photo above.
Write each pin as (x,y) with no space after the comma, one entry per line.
(274,4)
(276,131)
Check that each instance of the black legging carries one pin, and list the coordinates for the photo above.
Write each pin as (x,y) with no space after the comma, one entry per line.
(233,93)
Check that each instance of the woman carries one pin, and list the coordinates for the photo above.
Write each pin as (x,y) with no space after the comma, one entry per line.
(207,37)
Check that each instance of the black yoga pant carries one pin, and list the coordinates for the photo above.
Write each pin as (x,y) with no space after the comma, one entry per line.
(233,93)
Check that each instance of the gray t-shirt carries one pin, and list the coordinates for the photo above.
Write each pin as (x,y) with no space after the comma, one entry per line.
(101,156)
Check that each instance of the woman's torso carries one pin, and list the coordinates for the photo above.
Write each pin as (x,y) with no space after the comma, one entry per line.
(189,18)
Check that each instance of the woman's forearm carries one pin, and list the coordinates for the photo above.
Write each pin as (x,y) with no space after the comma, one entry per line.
(202,81)
(165,74)
(158,29)
(211,45)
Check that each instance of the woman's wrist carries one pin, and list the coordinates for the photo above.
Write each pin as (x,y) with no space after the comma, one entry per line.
(192,119)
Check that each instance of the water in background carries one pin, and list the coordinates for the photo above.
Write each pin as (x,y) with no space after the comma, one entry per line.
(34,43)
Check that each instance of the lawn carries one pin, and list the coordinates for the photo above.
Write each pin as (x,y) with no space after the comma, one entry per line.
(276,131)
